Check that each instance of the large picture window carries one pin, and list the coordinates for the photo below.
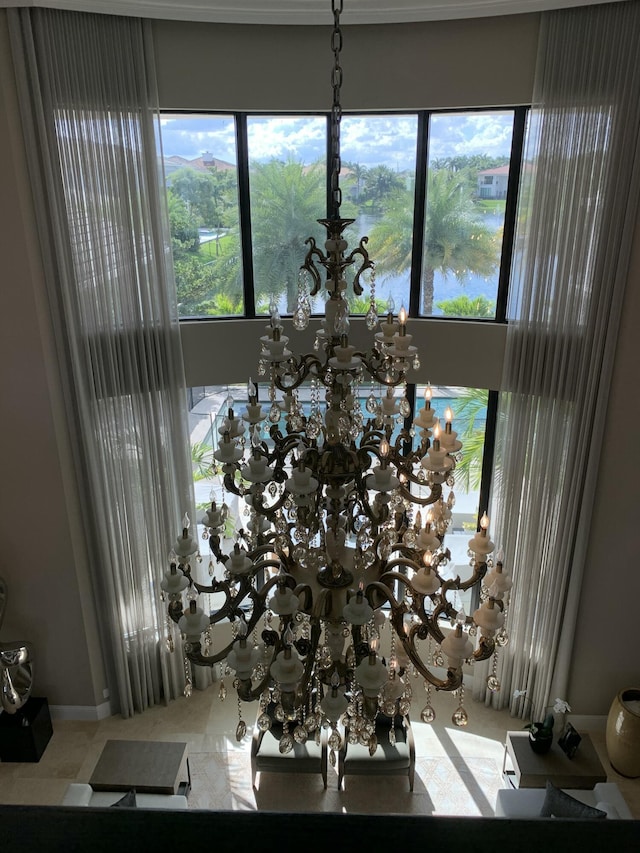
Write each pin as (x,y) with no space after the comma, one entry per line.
(434,193)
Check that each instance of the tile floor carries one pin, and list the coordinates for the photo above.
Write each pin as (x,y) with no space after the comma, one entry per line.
(458,771)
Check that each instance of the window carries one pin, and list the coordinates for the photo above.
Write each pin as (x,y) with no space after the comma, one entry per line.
(202,195)
(433,192)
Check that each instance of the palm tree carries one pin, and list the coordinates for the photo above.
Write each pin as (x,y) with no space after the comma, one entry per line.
(456,241)
(286,199)
(471,406)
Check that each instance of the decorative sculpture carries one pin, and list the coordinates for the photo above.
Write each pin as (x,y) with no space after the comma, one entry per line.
(16,669)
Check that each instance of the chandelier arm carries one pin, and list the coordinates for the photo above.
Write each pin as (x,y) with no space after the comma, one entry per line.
(310,267)
(297,372)
(377,520)
(433,497)
(486,648)
(367,263)
(392,564)
(381,374)
(269,511)
(454,676)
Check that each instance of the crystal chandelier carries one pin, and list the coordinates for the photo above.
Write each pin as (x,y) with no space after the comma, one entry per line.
(346,531)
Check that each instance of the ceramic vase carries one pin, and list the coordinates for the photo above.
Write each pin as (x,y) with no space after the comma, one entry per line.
(623,733)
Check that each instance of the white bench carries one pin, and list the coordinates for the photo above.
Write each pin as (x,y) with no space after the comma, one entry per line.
(81,794)
(527,802)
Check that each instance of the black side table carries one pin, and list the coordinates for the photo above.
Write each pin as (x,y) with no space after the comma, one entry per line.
(24,735)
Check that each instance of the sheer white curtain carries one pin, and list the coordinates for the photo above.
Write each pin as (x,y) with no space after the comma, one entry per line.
(87,95)
(576,213)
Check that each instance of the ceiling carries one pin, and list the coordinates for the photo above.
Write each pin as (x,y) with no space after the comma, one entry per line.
(306,11)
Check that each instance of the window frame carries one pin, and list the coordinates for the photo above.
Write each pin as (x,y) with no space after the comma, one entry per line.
(520,114)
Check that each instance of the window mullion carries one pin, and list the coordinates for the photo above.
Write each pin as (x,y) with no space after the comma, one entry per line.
(244,201)
(419,212)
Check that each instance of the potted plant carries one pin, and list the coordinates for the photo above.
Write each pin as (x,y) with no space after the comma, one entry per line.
(541,732)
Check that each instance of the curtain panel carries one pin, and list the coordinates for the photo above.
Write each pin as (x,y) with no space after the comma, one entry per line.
(577,210)
(87,91)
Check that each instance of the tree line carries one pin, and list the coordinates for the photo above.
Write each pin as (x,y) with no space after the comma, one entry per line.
(287,198)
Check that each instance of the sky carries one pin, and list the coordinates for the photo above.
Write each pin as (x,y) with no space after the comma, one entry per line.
(370,141)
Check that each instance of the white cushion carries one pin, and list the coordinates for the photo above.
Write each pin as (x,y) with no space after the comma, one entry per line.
(609,808)
(527,802)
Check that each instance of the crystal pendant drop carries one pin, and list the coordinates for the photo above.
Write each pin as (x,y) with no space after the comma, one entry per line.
(493,684)
(332,758)
(460,717)
(222,692)
(300,319)
(300,734)
(371,318)
(404,706)
(170,643)
(335,741)
(427,715)
(241,730)
(372,404)
(274,413)
(311,723)
(188,690)
(502,638)
(286,744)
(373,744)
(264,722)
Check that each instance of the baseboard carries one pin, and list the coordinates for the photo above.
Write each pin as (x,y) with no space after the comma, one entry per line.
(81,712)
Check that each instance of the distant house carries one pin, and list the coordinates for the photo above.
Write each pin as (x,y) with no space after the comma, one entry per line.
(201,164)
(492,183)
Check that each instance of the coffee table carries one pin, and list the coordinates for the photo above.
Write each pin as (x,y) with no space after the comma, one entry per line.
(524,768)
(149,766)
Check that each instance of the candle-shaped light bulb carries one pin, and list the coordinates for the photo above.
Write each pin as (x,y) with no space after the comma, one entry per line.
(428,520)
(499,560)
(242,632)
(427,559)
(384,453)
(391,307)
(418,524)
(252,393)
(229,404)
(448,416)
(436,437)
(484,523)
(255,437)
(373,648)
(402,319)
(428,394)
(275,314)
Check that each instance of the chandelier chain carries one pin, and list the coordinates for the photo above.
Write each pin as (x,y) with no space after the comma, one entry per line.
(336,111)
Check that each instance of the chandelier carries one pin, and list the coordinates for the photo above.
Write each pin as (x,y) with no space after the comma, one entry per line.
(346,532)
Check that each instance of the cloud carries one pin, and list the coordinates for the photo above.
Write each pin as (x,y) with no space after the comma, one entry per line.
(369,140)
